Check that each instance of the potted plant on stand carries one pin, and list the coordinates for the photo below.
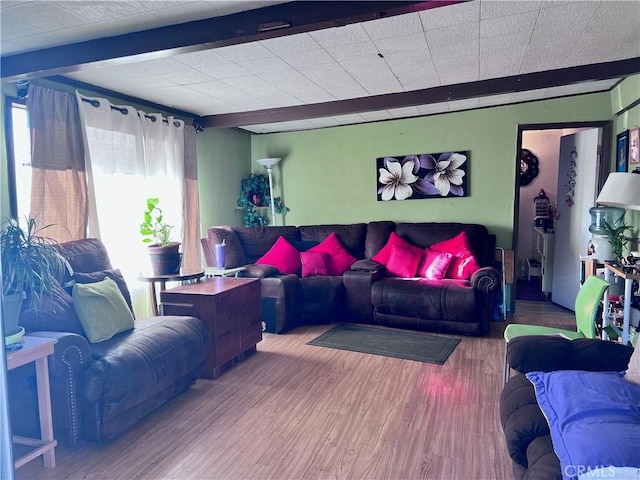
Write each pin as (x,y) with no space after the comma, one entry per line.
(30,265)
(164,254)
(254,193)
(617,239)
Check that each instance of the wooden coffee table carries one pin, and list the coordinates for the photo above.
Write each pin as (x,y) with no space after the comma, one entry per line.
(230,308)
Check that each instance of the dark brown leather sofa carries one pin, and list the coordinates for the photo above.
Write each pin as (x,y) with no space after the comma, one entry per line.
(364,294)
(526,431)
(99,390)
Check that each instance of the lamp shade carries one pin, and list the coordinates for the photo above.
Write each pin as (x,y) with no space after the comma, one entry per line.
(269,162)
(621,190)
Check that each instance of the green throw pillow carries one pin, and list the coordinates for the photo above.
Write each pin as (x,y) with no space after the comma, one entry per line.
(102,309)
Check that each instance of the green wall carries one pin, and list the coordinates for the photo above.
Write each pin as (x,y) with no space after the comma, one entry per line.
(329,175)
(224,157)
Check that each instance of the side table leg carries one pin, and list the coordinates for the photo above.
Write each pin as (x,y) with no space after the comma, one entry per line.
(44,409)
(605,305)
(152,297)
(628,284)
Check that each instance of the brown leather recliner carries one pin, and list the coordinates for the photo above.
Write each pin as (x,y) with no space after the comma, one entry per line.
(99,390)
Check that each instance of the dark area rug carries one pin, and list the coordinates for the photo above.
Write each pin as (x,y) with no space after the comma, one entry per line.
(530,290)
(389,342)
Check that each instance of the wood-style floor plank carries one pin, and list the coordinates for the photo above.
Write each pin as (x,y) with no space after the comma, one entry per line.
(294,411)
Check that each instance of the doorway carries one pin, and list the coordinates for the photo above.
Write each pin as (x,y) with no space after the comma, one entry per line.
(543,142)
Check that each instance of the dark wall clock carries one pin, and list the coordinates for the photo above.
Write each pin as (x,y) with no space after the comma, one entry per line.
(529,167)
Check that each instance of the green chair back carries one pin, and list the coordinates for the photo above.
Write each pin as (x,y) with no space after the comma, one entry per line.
(586,306)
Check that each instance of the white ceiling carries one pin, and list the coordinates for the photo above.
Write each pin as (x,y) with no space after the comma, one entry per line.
(455,44)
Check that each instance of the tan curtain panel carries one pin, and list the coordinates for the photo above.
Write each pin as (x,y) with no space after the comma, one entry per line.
(58,190)
(192,255)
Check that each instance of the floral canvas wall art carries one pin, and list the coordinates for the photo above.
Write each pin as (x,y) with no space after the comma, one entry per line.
(426,175)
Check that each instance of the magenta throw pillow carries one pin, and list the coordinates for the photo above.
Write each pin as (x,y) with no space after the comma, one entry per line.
(382,256)
(463,263)
(283,256)
(434,264)
(314,264)
(340,260)
(403,261)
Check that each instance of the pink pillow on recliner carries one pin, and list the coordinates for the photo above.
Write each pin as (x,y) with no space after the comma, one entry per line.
(283,256)
(463,263)
(315,264)
(403,261)
(434,264)
(340,260)
(382,256)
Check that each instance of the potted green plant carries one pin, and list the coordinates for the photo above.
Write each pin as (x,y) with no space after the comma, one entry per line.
(254,193)
(164,253)
(617,239)
(30,265)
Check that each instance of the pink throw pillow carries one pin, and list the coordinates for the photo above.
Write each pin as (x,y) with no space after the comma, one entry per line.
(382,256)
(434,264)
(463,263)
(403,262)
(283,256)
(340,260)
(314,264)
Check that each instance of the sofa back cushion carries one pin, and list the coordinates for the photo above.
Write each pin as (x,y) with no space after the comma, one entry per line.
(428,233)
(233,253)
(378,234)
(352,236)
(86,255)
(256,241)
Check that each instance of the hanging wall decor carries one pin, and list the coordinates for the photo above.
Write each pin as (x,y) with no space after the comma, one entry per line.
(529,167)
(425,175)
(571,179)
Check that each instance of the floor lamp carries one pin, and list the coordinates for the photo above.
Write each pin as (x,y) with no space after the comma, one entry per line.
(269,163)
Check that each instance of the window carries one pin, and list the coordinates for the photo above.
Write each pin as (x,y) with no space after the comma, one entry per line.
(18,141)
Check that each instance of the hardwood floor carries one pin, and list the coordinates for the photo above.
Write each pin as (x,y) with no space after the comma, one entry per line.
(294,411)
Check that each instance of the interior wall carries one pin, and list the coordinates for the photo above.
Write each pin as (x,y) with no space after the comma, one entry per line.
(544,144)
(329,175)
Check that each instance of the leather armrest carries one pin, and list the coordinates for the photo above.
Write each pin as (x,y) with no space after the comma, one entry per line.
(260,271)
(367,265)
(284,294)
(71,356)
(357,286)
(486,279)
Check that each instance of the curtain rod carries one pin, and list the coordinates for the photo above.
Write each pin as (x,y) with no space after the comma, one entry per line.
(125,111)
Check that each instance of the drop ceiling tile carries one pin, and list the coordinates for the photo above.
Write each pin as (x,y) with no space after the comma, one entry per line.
(390,27)
(528,95)
(579,14)
(404,112)
(161,65)
(334,80)
(202,59)
(376,116)
(497,67)
(459,76)
(322,122)
(446,37)
(541,59)
(225,71)
(494,100)
(216,89)
(348,119)
(464,104)
(47,16)
(521,24)
(98,11)
(624,11)
(451,53)
(353,51)
(265,65)
(433,108)
(303,59)
(187,77)
(505,8)
(437,18)
(340,36)
(403,43)
(8,48)
(512,40)
(137,85)
(374,76)
(298,86)
(301,42)
(244,52)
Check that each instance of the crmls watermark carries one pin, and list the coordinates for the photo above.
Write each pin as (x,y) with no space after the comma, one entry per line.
(599,471)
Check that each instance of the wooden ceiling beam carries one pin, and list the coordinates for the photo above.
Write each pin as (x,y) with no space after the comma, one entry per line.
(248,26)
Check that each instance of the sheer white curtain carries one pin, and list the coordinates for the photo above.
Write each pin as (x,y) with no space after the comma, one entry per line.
(130,156)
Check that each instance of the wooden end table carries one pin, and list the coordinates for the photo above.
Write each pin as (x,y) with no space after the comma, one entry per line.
(183,276)
(628,283)
(232,311)
(36,349)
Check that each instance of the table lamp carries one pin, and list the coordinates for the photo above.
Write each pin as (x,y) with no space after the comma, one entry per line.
(269,163)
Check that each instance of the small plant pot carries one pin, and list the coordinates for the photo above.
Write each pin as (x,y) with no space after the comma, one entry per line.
(165,260)
(11,307)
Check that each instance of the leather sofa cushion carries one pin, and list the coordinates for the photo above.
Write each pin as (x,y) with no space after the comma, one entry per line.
(323,297)
(256,241)
(53,313)
(234,255)
(429,299)
(351,236)
(87,255)
(377,237)
(133,366)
